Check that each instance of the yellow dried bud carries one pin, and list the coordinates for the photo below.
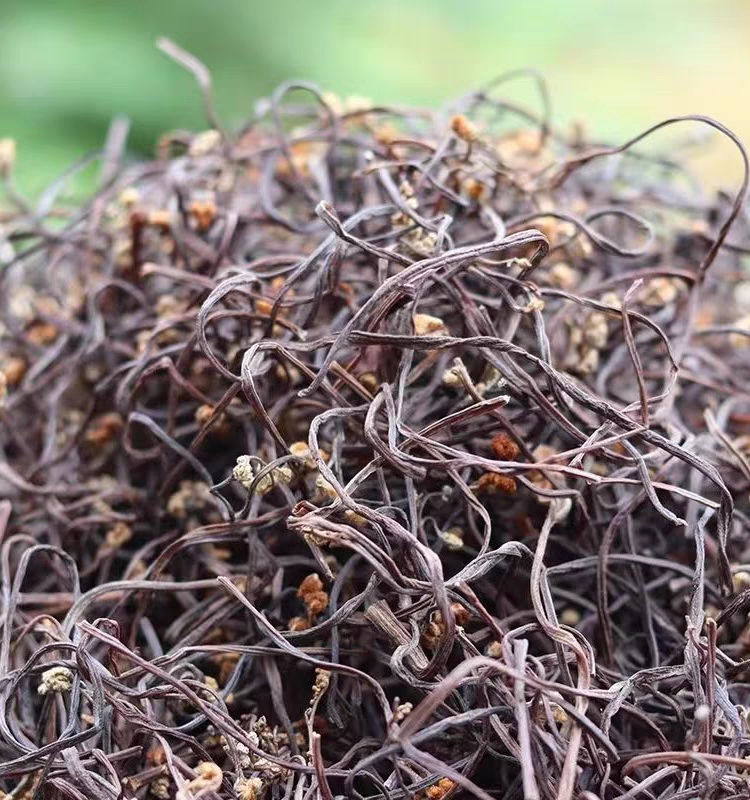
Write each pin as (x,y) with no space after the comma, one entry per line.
(167,305)
(452,377)
(659,291)
(249,788)
(130,197)
(426,325)
(159,218)
(7,155)
(588,362)
(243,471)
(402,711)
(324,487)
(494,649)
(355,104)
(595,331)
(302,450)
(209,778)
(159,788)
(563,276)
(535,304)
(741,581)
(191,497)
(56,680)
(118,535)
(322,680)
(570,617)
(453,538)
(333,101)
(386,134)
(369,381)
(354,518)
(21,303)
(204,143)
(738,339)
(278,475)
(612,299)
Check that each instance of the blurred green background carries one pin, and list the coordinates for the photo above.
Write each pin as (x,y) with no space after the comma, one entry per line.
(68,66)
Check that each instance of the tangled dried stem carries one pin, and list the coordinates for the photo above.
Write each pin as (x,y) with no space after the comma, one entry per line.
(489,389)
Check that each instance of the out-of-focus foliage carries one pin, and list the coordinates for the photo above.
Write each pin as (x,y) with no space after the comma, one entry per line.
(68,66)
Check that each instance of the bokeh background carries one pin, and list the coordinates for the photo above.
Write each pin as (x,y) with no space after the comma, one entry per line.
(68,66)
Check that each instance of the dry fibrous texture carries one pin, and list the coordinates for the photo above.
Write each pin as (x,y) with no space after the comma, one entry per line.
(375,452)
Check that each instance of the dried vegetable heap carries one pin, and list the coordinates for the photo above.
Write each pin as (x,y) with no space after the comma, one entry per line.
(373,452)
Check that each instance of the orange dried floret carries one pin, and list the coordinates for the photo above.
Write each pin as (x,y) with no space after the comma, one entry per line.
(440,789)
(492,482)
(203,212)
(435,628)
(505,448)
(461,614)
(226,662)
(42,333)
(104,428)
(156,756)
(203,414)
(475,189)
(220,425)
(14,369)
(263,306)
(464,128)
(304,155)
(433,631)
(312,594)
